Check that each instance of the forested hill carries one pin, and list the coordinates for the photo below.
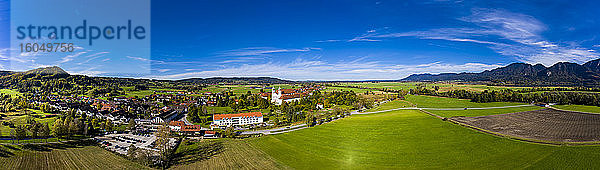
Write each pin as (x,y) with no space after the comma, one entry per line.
(237,80)
(563,73)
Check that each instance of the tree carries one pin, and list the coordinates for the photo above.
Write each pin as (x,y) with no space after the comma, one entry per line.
(34,129)
(20,132)
(72,129)
(108,125)
(163,144)
(131,152)
(45,131)
(131,124)
(58,129)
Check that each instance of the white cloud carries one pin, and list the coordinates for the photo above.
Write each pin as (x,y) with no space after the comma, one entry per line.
(70,57)
(258,51)
(509,34)
(359,69)
(163,70)
(138,58)
(322,41)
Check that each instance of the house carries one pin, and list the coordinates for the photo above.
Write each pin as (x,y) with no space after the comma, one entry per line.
(165,117)
(210,133)
(320,106)
(286,95)
(176,125)
(182,128)
(237,119)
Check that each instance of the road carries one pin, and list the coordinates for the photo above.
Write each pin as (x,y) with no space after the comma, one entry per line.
(185,120)
(276,130)
(417,108)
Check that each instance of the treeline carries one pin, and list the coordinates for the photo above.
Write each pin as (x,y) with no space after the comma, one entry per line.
(298,110)
(248,100)
(528,95)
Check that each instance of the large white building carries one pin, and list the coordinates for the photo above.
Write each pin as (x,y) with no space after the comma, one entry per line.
(288,95)
(237,119)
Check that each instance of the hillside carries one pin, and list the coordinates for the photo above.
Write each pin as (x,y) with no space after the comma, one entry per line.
(54,70)
(563,73)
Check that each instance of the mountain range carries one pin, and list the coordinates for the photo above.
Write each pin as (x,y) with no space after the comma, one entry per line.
(562,73)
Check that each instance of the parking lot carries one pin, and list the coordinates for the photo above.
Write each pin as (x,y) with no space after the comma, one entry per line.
(120,142)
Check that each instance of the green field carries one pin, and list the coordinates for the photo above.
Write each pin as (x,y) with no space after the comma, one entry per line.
(390,105)
(356,90)
(442,102)
(482,112)
(443,86)
(410,139)
(13,93)
(580,108)
(218,110)
(62,156)
(19,118)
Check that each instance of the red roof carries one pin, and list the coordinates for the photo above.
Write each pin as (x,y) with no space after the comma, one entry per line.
(176,123)
(191,128)
(288,91)
(210,132)
(223,116)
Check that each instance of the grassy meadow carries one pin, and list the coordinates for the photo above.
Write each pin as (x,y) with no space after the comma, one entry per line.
(410,139)
(442,102)
(579,108)
(443,86)
(390,105)
(483,112)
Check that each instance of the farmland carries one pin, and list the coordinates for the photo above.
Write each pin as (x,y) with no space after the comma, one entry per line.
(410,139)
(443,86)
(62,156)
(545,125)
(441,102)
(223,154)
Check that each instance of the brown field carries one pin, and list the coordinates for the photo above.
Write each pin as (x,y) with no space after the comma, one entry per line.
(545,125)
(237,154)
(62,157)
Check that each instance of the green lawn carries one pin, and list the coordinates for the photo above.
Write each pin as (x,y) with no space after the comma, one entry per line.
(218,110)
(390,105)
(410,139)
(356,90)
(442,102)
(580,108)
(13,93)
(483,112)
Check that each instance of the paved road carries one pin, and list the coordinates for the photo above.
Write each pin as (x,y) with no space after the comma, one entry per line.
(417,108)
(276,130)
(184,119)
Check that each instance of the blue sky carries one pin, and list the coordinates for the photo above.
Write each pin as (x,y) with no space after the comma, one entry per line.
(360,40)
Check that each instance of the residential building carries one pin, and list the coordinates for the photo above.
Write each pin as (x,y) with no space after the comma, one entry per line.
(237,119)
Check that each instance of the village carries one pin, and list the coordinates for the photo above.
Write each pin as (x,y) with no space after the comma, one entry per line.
(136,120)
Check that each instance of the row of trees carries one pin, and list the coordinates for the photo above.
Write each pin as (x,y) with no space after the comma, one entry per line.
(34,130)
(527,95)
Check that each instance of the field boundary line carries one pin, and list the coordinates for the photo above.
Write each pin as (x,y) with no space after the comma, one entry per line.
(464,108)
(572,110)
